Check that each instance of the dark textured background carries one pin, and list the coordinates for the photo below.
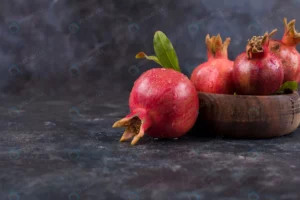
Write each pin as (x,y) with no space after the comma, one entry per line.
(67,68)
(66,46)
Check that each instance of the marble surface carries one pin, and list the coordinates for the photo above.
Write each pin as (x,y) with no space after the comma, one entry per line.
(66,149)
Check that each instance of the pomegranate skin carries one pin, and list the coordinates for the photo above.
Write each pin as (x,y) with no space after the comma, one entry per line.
(214,76)
(170,100)
(163,104)
(260,76)
(286,50)
(290,59)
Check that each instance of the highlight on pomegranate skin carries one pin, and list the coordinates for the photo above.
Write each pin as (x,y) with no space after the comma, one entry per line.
(286,50)
(163,104)
(215,75)
(258,71)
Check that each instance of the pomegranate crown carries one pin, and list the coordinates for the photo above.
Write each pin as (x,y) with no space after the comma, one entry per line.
(291,36)
(215,45)
(257,43)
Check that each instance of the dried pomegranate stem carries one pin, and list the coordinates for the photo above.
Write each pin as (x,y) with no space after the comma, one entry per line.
(215,47)
(257,43)
(291,36)
(133,129)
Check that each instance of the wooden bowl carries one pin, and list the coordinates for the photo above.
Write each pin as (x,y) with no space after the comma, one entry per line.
(244,116)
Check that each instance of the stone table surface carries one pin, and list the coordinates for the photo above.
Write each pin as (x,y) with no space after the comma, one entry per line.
(66,149)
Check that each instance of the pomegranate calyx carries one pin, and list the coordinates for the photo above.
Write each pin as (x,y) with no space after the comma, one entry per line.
(258,44)
(216,47)
(134,128)
(291,36)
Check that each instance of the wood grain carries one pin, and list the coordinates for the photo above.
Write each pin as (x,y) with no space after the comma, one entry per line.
(246,116)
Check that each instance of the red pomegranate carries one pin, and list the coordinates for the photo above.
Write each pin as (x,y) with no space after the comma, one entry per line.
(215,75)
(286,50)
(258,71)
(163,104)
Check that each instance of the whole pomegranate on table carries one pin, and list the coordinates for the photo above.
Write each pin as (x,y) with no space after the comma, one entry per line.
(163,102)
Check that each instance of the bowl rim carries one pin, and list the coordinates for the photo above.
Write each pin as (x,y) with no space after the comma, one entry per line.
(249,96)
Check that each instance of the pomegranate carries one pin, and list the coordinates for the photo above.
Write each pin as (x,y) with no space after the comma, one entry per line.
(258,71)
(286,50)
(163,103)
(215,75)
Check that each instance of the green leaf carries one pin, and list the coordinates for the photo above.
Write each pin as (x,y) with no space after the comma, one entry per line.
(287,87)
(165,51)
(143,55)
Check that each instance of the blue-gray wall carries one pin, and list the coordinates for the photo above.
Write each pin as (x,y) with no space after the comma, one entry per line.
(68,46)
